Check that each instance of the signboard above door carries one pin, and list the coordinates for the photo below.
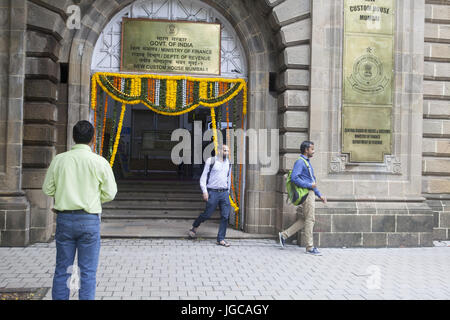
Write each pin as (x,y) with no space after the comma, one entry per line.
(165,46)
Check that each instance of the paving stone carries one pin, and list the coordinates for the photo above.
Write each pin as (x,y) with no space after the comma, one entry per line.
(251,270)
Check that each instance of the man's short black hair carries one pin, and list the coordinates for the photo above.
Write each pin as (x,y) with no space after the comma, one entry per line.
(305,145)
(83,131)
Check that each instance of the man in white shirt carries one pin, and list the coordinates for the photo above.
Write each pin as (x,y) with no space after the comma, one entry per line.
(215,183)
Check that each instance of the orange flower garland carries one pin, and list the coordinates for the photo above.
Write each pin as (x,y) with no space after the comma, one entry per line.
(104,125)
(133,89)
(119,130)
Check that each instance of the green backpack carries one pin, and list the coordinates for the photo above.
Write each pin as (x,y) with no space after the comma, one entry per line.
(296,195)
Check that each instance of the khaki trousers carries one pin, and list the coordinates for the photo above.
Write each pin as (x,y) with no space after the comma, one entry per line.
(305,222)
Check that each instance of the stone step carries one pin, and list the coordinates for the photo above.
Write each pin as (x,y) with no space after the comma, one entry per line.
(138,213)
(153,200)
(160,192)
(144,189)
(157,197)
(157,183)
(154,204)
(139,184)
(169,228)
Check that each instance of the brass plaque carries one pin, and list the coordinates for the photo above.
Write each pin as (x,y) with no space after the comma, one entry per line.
(368,79)
(368,69)
(170,46)
(369,16)
(366,133)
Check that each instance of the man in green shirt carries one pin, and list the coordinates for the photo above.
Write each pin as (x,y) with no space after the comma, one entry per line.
(80,181)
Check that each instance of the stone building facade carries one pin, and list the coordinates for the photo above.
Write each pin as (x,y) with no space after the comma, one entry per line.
(45,84)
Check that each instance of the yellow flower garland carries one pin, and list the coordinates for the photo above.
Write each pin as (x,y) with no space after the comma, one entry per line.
(235,207)
(203,90)
(214,127)
(94,91)
(116,142)
(244,100)
(171,95)
(136,87)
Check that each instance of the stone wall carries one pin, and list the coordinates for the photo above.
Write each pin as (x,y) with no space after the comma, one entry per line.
(369,205)
(291,24)
(46,31)
(14,206)
(257,23)
(436,115)
(298,43)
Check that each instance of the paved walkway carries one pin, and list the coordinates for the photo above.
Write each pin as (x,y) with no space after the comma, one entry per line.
(249,269)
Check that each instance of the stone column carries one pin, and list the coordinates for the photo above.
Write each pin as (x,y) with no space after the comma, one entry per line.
(292,22)
(14,207)
(370,205)
(46,28)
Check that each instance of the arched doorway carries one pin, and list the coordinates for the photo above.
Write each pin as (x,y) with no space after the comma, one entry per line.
(258,33)
(144,154)
(106,58)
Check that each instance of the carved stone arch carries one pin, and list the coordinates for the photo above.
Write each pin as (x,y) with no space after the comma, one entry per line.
(267,33)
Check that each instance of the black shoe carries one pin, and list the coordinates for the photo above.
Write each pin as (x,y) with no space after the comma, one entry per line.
(192,234)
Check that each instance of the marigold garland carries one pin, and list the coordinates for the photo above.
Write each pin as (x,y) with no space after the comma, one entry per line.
(111,134)
(94,91)
(233,193)
(104,125)
(98,130)
(214,128)
(171,94)
(119,130)
(95,131)
(166,95)
(131,91)
(235,207)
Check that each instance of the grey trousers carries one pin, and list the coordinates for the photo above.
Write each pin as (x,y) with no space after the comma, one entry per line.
(305,221)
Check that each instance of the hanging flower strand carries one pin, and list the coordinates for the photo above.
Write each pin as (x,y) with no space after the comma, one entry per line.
(119,130)
(104,125)
(214,127)
(111,133)
(172,96)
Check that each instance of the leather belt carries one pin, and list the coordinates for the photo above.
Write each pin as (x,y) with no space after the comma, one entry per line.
(74,212)
(218,190)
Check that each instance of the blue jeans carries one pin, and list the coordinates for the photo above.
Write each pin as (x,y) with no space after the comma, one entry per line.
(76,233)
(215,199)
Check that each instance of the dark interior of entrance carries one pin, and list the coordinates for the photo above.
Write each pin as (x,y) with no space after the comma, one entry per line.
(146,154)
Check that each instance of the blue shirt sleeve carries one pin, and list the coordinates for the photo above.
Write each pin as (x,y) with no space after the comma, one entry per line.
(300,179)
(316,191)
(296,175)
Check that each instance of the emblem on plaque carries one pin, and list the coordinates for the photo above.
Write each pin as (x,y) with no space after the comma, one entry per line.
(172,30)
(368,76)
